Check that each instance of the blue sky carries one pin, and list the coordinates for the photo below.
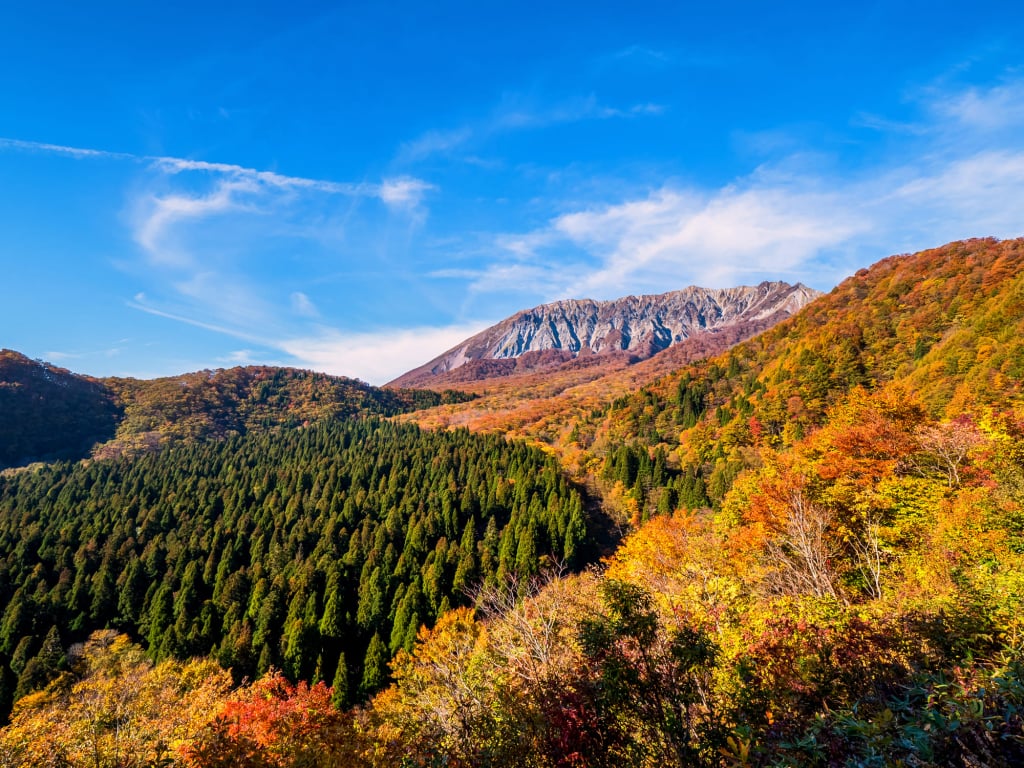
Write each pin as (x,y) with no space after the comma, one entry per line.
(356,187)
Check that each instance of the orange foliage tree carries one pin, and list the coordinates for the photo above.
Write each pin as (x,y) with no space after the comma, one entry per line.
(273,724)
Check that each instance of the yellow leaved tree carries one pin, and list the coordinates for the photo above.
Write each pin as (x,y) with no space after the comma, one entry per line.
(114,709)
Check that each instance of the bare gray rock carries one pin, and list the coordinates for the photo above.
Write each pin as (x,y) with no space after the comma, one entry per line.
(644,325)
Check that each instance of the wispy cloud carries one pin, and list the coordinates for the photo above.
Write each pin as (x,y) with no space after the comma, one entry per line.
(157,214)
(677,236)
(241,357)
(187,320)
(544,278)
(641,52)
(886,125)
(38,146)
(648,108)
(376,356)
(57,356)
(435,142)
(202,226)
(956,113)
(980,194)
(174,165)
(385,190)
(303,305)
(716,240)
(639,57)
(515,113)
(404,191)
(982,109)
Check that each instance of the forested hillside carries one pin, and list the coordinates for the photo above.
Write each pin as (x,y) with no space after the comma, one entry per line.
(318,551)
(49,413)
(217,404)
(945,325)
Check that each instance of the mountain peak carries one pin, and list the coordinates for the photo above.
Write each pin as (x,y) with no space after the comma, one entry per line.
(553,334)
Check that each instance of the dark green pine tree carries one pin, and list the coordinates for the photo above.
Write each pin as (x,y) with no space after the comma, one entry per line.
(44,667)
(375,666)
(333,621)
(575,535)
(466,571)
(22,653)
(526,554)
(160,617)
(104,595)
(131,594)
(266,660)
(340,693)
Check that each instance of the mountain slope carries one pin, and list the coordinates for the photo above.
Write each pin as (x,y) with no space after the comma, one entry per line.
(547,404)
(639,326)
(50,413)
(946,324)
(217,404)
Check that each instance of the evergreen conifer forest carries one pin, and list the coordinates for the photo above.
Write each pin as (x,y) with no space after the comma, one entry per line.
(318,552)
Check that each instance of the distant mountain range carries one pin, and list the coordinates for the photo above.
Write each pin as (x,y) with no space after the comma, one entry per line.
(638,327)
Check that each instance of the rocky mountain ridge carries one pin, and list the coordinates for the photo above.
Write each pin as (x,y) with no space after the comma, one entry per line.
(552,334)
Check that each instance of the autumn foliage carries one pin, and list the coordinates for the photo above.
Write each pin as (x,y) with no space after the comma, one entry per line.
(273,724)
(113,709)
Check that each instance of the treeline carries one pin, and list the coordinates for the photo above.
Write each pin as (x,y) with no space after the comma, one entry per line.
(318,551)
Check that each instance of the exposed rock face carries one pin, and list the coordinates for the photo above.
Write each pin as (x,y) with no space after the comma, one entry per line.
(551,334)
